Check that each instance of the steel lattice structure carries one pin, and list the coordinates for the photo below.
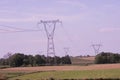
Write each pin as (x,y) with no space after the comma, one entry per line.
(66,49)
(50,27)
(96,48)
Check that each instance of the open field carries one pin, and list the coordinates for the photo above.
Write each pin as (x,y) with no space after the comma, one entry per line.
(83,74)
(62,68)
(91,71)
(82,60)
(92,58)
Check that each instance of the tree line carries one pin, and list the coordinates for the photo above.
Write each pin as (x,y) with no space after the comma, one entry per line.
(107,57)
(19,59)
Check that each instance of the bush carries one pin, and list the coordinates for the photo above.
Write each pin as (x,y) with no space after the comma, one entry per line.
(107,57)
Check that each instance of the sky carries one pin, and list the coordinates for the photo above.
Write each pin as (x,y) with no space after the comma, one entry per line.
(85,22)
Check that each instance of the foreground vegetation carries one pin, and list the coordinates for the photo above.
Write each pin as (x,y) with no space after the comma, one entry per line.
(107,57)
(19,59)
(82,74)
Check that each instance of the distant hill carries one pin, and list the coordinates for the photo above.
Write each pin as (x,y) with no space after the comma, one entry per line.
(82,60)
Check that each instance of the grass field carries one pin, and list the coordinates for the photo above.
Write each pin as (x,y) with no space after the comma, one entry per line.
(62,72)
(83,74)
(82,60)
(81,68)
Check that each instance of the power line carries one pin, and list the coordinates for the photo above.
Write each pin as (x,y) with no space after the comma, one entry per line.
(66,33)
(4,30)
(11,27)
(8,31)
(15,29)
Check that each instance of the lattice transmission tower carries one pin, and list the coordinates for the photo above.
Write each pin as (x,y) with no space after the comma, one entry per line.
(50,26)
(96,48)
(66,50)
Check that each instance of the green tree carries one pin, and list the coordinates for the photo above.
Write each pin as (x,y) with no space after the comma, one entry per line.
(40,60)
(107,57)
(66,60)
(2,61)
(31,60)
(16,60)
(26,60)
(58,60)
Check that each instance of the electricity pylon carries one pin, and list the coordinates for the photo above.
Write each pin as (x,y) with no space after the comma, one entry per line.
(50,27)
(96,48)
(66,49)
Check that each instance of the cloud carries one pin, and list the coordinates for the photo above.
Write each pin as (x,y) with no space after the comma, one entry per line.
(72,3)
(35,17)
(46,13)
(32,18)
(110,29)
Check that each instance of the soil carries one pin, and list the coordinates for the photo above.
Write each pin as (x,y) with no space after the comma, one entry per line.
(61,68)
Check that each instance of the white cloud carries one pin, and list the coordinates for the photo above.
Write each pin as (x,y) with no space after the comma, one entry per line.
(72,3)
(109,29)
(37,17)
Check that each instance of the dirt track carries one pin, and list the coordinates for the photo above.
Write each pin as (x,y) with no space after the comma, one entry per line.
(60,68)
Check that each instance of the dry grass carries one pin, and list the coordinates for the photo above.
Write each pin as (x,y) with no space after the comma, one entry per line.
(2,77)
(61,68)
(14,72)
(82,60)
(92,58)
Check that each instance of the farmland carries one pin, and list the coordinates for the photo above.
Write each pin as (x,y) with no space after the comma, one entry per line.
(63,72)
(82,60)
(113,73)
